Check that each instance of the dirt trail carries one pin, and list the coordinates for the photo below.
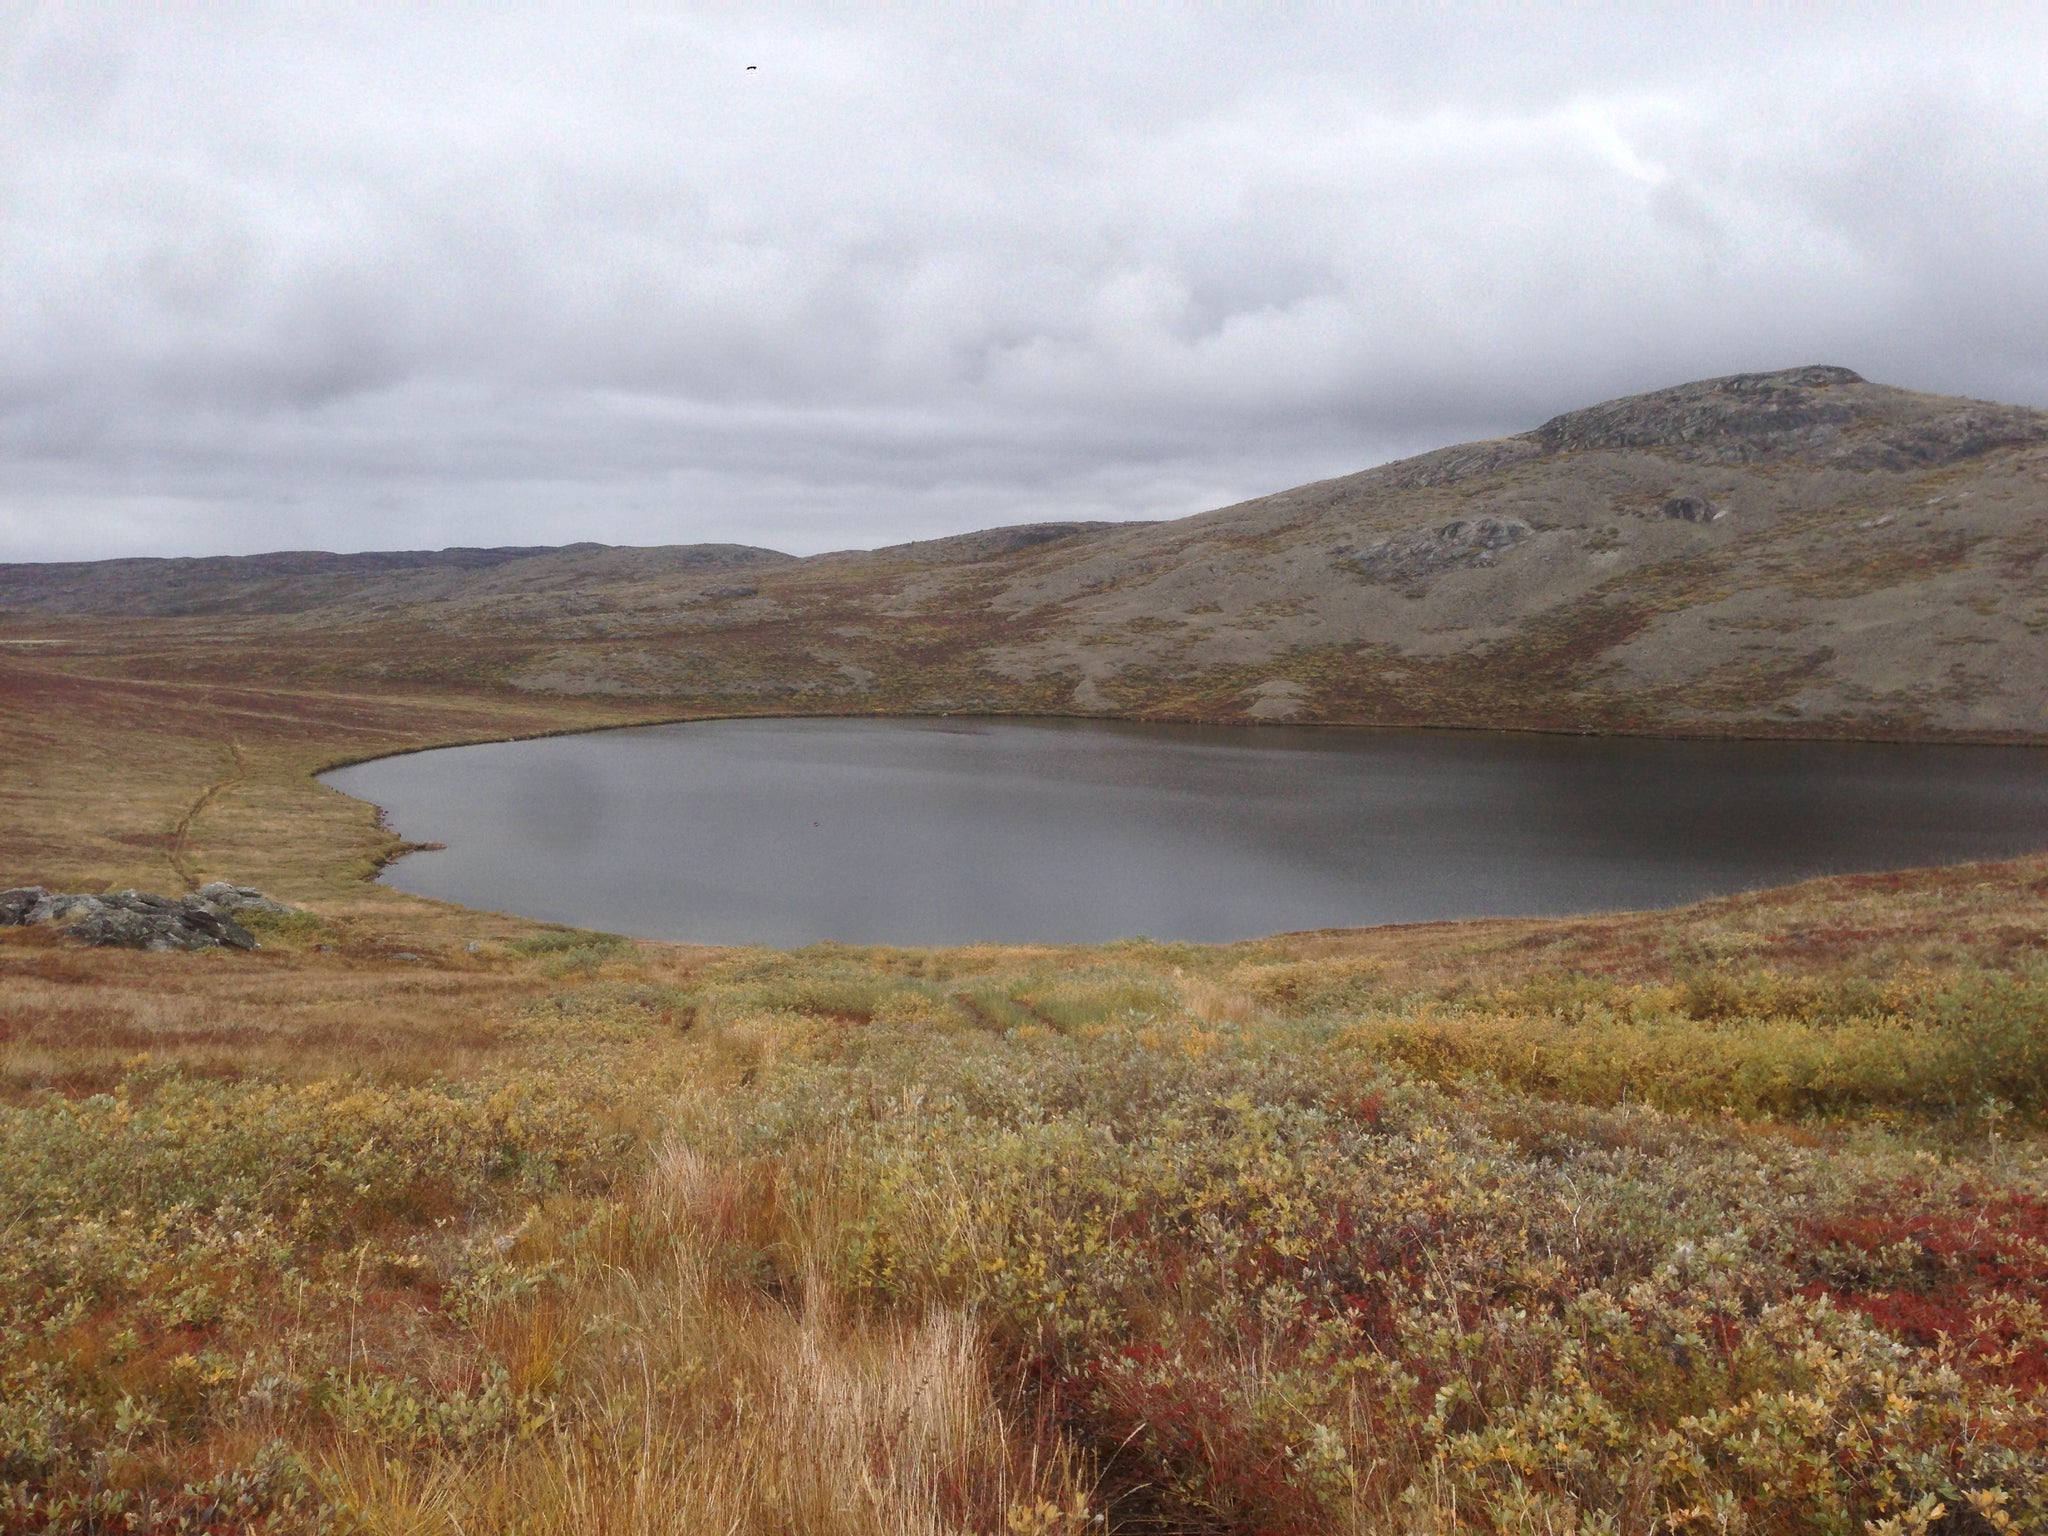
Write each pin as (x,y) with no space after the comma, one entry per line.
(174,850)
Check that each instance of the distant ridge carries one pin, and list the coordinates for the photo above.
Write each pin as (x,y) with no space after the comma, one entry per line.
(1797,552)
(296,580)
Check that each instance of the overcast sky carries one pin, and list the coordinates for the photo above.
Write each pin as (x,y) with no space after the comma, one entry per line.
(399,276)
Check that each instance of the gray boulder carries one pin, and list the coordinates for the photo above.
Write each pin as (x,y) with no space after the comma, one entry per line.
(26,904)
(137,920)
(238,898)
(17,902)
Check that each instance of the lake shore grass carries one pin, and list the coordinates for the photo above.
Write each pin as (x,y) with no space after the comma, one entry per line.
(421,1219)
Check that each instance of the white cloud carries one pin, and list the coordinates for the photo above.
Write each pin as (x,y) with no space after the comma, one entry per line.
(359,277)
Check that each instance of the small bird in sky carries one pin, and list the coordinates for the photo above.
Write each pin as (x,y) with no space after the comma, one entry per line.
(752,67)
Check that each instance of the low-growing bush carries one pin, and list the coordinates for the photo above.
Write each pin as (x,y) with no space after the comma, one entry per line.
(568,940)
(294,926)
(1266,1287)
(187,1259)
(1921,1043)
(1138,1238)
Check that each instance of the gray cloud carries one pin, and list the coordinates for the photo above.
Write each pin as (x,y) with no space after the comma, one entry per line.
(372,277)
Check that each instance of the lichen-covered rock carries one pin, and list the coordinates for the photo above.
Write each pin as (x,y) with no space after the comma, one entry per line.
(137,920)
(238,898)
(1740,418)
(1827,413)
(1426,552)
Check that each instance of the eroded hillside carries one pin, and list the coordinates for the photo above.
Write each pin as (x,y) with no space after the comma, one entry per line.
(1800,552)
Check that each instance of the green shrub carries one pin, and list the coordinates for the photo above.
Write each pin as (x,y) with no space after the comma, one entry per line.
(568,941)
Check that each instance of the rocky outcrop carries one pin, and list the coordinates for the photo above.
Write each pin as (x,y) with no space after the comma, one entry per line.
(241,898)
(136,920)
(1824,413)
(1743,417)
(1427,552)
(1693,509)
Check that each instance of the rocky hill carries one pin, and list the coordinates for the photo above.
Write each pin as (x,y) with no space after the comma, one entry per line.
(1800,552)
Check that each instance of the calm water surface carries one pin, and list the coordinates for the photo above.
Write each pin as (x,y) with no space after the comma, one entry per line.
(945,831)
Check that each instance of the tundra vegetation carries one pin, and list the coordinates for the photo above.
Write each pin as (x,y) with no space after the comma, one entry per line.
(1733,1218)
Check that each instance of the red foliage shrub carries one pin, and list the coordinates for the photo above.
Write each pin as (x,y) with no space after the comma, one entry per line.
(1970,1264)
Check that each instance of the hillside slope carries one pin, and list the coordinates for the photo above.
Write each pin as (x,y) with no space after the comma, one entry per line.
(1799,552)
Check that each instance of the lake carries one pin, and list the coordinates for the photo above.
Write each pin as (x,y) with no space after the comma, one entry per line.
(954,830)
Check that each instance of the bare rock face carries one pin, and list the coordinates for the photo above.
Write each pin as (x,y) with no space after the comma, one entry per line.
(1427,552)
(1745,416)
(1947,437)
(1825,413)
(137,920)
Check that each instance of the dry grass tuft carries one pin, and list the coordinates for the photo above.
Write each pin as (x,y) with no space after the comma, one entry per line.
(687,1403)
